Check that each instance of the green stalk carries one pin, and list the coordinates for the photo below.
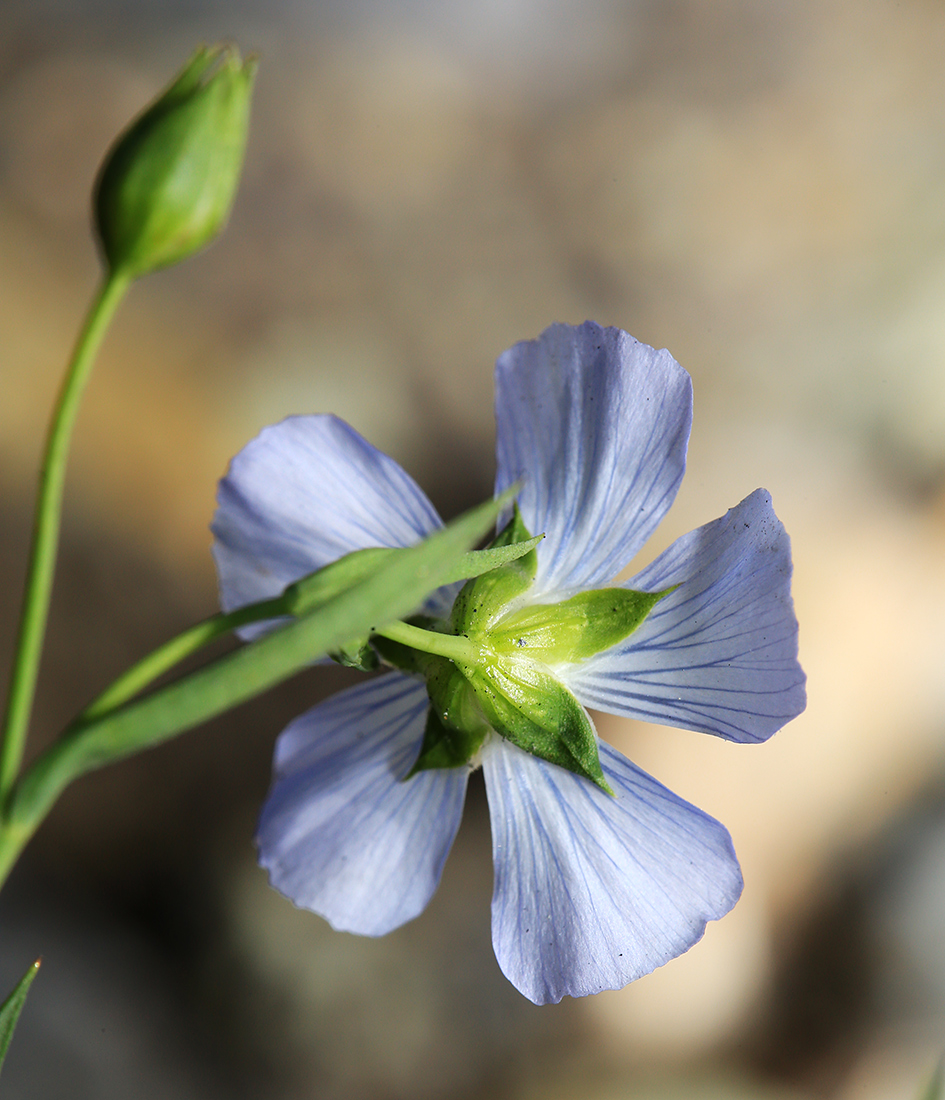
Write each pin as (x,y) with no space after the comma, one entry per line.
(452,646)
(171,653)
(46,524)
(397,587)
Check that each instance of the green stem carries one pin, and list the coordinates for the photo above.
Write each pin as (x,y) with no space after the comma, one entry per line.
(14,835)
(395,589)
(165,657)
(452,646)
(46,529)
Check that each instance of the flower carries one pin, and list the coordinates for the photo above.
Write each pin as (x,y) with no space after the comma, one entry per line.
(592,889)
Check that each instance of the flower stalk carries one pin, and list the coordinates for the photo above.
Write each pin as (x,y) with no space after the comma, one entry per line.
(116,724)
(46,526)
(453,647)
(165,190)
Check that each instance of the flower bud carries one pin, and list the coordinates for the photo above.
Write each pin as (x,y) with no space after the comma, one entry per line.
(167,186)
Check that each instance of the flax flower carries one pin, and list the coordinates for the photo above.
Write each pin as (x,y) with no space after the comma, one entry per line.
(596,882)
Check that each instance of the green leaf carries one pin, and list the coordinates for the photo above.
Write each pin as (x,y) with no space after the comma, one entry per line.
(12,1007)
(525,704)
(311,592)
(301,598)
(396,588)
(482,600)
(562,633)
(477,562)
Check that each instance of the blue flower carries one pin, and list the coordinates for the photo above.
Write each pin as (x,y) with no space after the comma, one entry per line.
(592,890)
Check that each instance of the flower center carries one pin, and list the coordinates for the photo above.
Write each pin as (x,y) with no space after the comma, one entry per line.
(498,664)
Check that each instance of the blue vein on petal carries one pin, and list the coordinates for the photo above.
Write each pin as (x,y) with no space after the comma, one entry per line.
(629,778)
(591,481)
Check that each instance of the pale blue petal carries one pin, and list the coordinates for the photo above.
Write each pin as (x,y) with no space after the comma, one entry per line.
(596,425)
(301,494)
(719,654)
(341,833)
(593,891)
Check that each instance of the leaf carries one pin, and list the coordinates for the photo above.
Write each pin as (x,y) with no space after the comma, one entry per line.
(12,1007)
(309,593)
(477,562)
(394,589)
(303,597)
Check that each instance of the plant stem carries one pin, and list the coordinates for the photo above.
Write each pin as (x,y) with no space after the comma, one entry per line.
(452,646)
(397,587)
(46,524)
(171,653)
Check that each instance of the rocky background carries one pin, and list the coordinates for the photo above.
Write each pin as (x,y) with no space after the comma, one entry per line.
(760,188)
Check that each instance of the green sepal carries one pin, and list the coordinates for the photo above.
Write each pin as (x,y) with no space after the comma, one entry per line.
(12,1007)
(455,727)
(530,708)
(444,747)
(569,631)
(482,600)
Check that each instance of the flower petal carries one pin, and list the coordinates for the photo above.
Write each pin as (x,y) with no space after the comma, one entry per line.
(593,890)
(719,654)
(341,833)
(597,425)
(300,495)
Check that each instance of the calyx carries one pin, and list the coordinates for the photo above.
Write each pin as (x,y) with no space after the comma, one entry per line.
(508,684)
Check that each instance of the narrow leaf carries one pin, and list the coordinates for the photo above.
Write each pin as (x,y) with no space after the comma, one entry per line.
(309,593)
(477,562)
(396,588)
(12,1007)
(301,598)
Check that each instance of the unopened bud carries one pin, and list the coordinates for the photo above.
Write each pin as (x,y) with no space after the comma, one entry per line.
(167,186)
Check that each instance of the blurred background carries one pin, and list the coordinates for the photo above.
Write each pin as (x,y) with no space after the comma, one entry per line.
(759,187)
